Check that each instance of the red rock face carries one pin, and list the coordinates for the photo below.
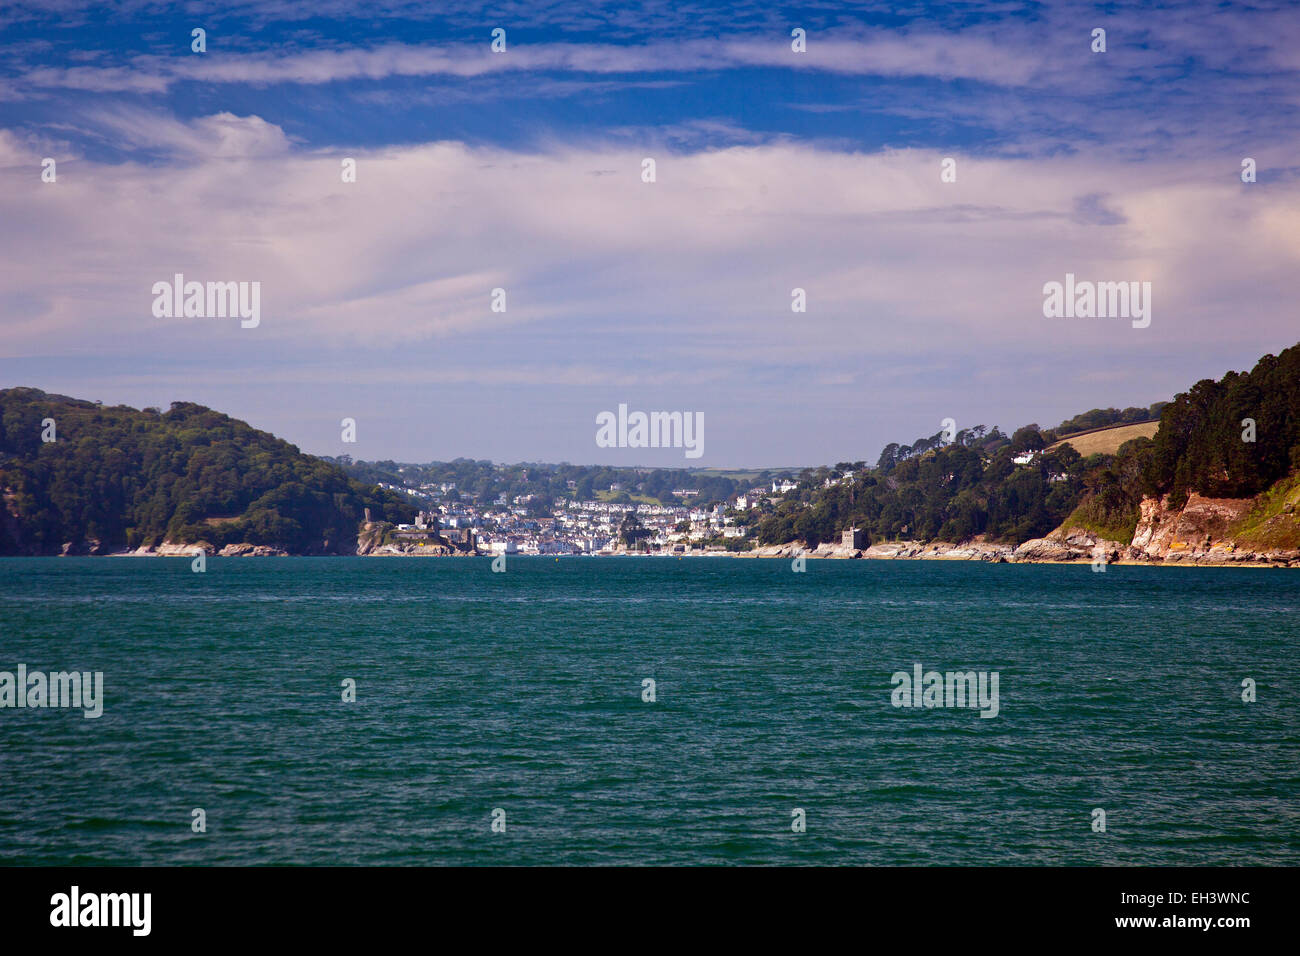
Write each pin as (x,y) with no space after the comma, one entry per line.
(1198,533)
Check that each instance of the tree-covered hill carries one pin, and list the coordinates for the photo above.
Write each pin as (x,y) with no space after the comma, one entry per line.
(947,492)
(1234,438)
(116,477)
(484,481)
(935,490)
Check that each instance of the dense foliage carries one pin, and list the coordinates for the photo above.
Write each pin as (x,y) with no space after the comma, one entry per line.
(1105,417)
(936,490)
(950,492)
(631,530)
(1207,444)
(126,478)
(1201,445)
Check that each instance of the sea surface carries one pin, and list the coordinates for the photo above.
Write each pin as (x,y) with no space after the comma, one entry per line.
(523,692)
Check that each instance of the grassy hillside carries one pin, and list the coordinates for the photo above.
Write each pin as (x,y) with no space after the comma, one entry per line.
(117,477)
(1272,522)
(1106,441)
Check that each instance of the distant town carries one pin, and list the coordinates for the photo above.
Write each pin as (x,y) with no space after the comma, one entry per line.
(514,524)
(473,507)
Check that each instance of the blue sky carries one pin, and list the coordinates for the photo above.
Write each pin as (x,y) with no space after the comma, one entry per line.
(522,170)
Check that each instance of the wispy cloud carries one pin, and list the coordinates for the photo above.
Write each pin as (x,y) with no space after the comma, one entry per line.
(941,56)
(888,254)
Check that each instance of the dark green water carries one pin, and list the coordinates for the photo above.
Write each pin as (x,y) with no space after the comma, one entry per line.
(522,691)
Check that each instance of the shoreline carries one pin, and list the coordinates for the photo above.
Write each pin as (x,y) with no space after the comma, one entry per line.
(1156,543)
(781,554)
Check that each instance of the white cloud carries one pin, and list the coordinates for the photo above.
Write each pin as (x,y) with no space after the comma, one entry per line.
(941,55)
(693,270)
(220,136)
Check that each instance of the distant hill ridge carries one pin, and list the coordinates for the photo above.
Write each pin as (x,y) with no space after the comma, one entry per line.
(115,478)
(1219,472)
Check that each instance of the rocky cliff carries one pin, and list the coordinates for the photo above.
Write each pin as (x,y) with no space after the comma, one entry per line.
(172,549)
(379,539)
(1205,530)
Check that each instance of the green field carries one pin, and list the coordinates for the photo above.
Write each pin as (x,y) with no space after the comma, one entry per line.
(1106,441)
